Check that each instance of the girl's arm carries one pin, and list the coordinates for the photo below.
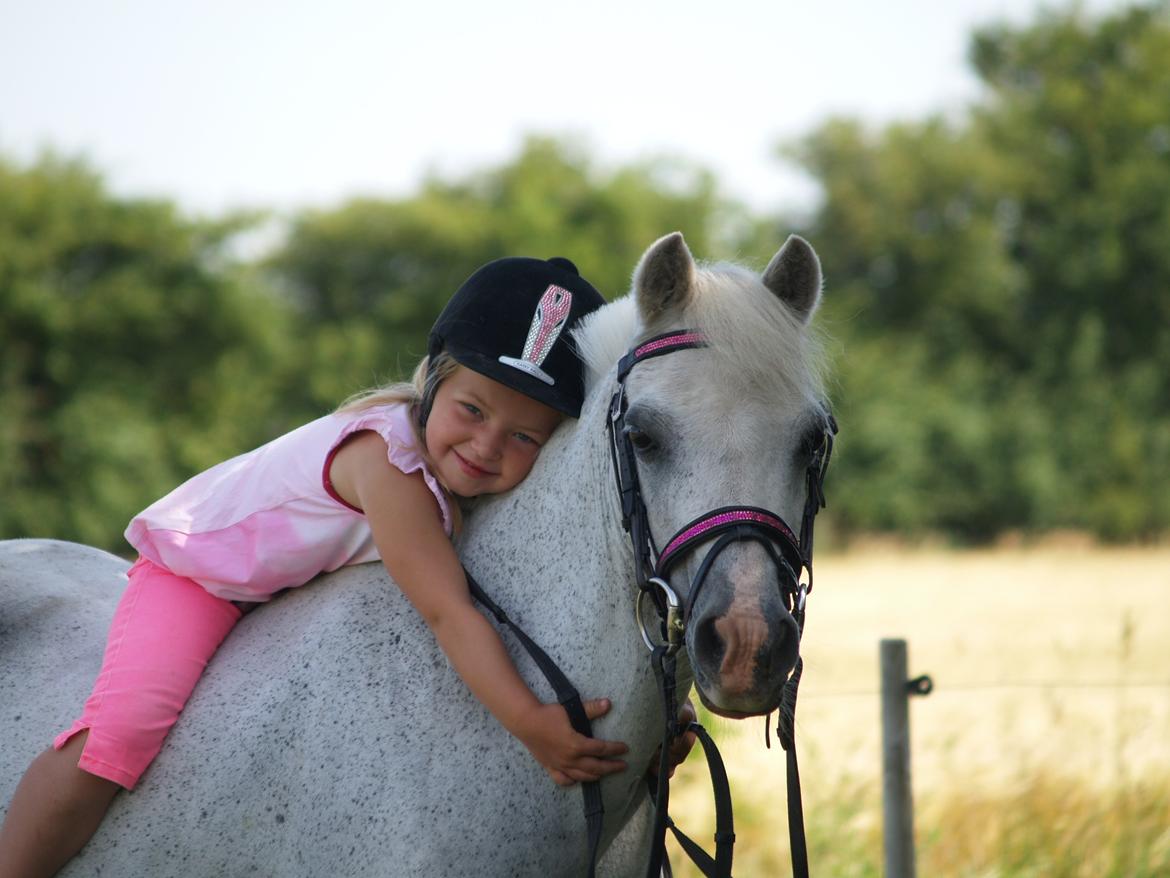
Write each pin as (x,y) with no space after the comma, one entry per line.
(404,519)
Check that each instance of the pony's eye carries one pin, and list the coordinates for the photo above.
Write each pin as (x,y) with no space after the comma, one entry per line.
(812,443)
(640,440)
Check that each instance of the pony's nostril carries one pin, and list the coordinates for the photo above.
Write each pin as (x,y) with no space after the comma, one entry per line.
(785,648)
(708,643)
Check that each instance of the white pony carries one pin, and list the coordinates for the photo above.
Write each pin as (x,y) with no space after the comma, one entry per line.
(330,736)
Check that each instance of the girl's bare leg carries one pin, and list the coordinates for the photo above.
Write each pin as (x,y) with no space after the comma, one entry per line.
(56,809)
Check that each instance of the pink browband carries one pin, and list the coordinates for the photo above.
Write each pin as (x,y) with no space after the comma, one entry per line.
(671,341)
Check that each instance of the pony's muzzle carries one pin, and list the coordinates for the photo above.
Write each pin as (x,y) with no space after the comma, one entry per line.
(755,657)
(743,651)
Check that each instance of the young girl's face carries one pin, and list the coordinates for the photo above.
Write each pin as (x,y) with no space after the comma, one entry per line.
(483,437)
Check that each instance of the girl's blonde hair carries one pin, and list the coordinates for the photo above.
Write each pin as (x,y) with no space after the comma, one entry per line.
(419,395)
(418,392)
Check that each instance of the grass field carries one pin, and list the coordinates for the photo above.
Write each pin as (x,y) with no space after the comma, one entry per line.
(1043,751)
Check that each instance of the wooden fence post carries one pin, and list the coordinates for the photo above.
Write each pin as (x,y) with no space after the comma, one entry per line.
(897,798)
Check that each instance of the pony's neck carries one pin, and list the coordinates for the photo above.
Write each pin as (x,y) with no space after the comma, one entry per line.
(579,475)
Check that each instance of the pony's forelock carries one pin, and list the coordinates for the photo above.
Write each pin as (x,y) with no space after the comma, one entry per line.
(751,335)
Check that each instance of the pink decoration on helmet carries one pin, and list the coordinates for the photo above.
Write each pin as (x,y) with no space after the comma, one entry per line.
(551,313)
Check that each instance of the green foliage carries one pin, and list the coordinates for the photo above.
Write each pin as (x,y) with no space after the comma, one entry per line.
(1081,109)
(130,358)
(999,289)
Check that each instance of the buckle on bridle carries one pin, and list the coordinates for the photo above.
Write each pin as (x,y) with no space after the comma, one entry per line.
(673,621)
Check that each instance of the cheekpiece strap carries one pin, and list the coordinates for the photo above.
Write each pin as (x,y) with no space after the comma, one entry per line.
(634,519)
(815,484)
(718,520)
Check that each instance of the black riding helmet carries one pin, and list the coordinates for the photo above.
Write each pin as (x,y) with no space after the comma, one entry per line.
(511,321)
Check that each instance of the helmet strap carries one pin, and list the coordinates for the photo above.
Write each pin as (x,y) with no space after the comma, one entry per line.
(430,388)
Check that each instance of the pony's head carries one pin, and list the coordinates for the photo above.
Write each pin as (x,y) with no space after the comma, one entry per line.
(731,424)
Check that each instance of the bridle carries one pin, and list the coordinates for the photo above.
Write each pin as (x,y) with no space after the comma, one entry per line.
(792,557)
(790,554)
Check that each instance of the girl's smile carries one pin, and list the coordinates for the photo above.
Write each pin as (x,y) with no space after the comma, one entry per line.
(473,471)
(483,437)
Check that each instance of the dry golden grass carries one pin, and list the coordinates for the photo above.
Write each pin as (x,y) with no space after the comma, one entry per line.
(1047,737)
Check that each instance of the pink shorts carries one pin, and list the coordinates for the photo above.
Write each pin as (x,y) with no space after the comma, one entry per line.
(165,631)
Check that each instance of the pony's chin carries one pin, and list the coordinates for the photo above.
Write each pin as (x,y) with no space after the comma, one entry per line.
(729,714)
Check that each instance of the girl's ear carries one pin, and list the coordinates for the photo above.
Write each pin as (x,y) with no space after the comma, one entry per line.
(664,279)
(794,275)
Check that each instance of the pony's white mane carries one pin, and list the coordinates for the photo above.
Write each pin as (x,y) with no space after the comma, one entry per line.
(751,334)
(605,335)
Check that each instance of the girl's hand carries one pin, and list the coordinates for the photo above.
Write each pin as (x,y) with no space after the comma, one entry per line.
(681,746)
(566,755)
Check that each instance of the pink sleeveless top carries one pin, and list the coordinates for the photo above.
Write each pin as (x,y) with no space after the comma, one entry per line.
(270,519)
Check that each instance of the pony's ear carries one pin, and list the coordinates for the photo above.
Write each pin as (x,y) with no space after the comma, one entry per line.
(794,275)
(665,277)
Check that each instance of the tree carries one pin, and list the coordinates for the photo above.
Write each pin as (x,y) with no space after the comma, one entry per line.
(369,277)
(999,288)
(1081,108)
(131,357)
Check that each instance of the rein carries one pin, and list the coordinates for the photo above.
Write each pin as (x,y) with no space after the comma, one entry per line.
(570,699)
(791,555)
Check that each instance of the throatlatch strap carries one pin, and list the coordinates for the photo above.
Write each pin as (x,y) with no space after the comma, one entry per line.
(570,699)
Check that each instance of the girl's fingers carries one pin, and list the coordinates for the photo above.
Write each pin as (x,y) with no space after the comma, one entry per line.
(682,746)
(596,707)
(595,767)
(560,778)
(597,747)
(583,776)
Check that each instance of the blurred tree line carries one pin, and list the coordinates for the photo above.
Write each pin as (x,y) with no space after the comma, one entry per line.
(998,299)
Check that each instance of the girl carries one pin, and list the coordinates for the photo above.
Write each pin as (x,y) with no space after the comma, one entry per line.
(373,480)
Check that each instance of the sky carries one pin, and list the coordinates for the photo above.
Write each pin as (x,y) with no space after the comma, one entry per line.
(221,104)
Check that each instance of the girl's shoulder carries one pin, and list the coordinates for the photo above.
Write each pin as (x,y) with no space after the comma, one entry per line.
(394,422)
